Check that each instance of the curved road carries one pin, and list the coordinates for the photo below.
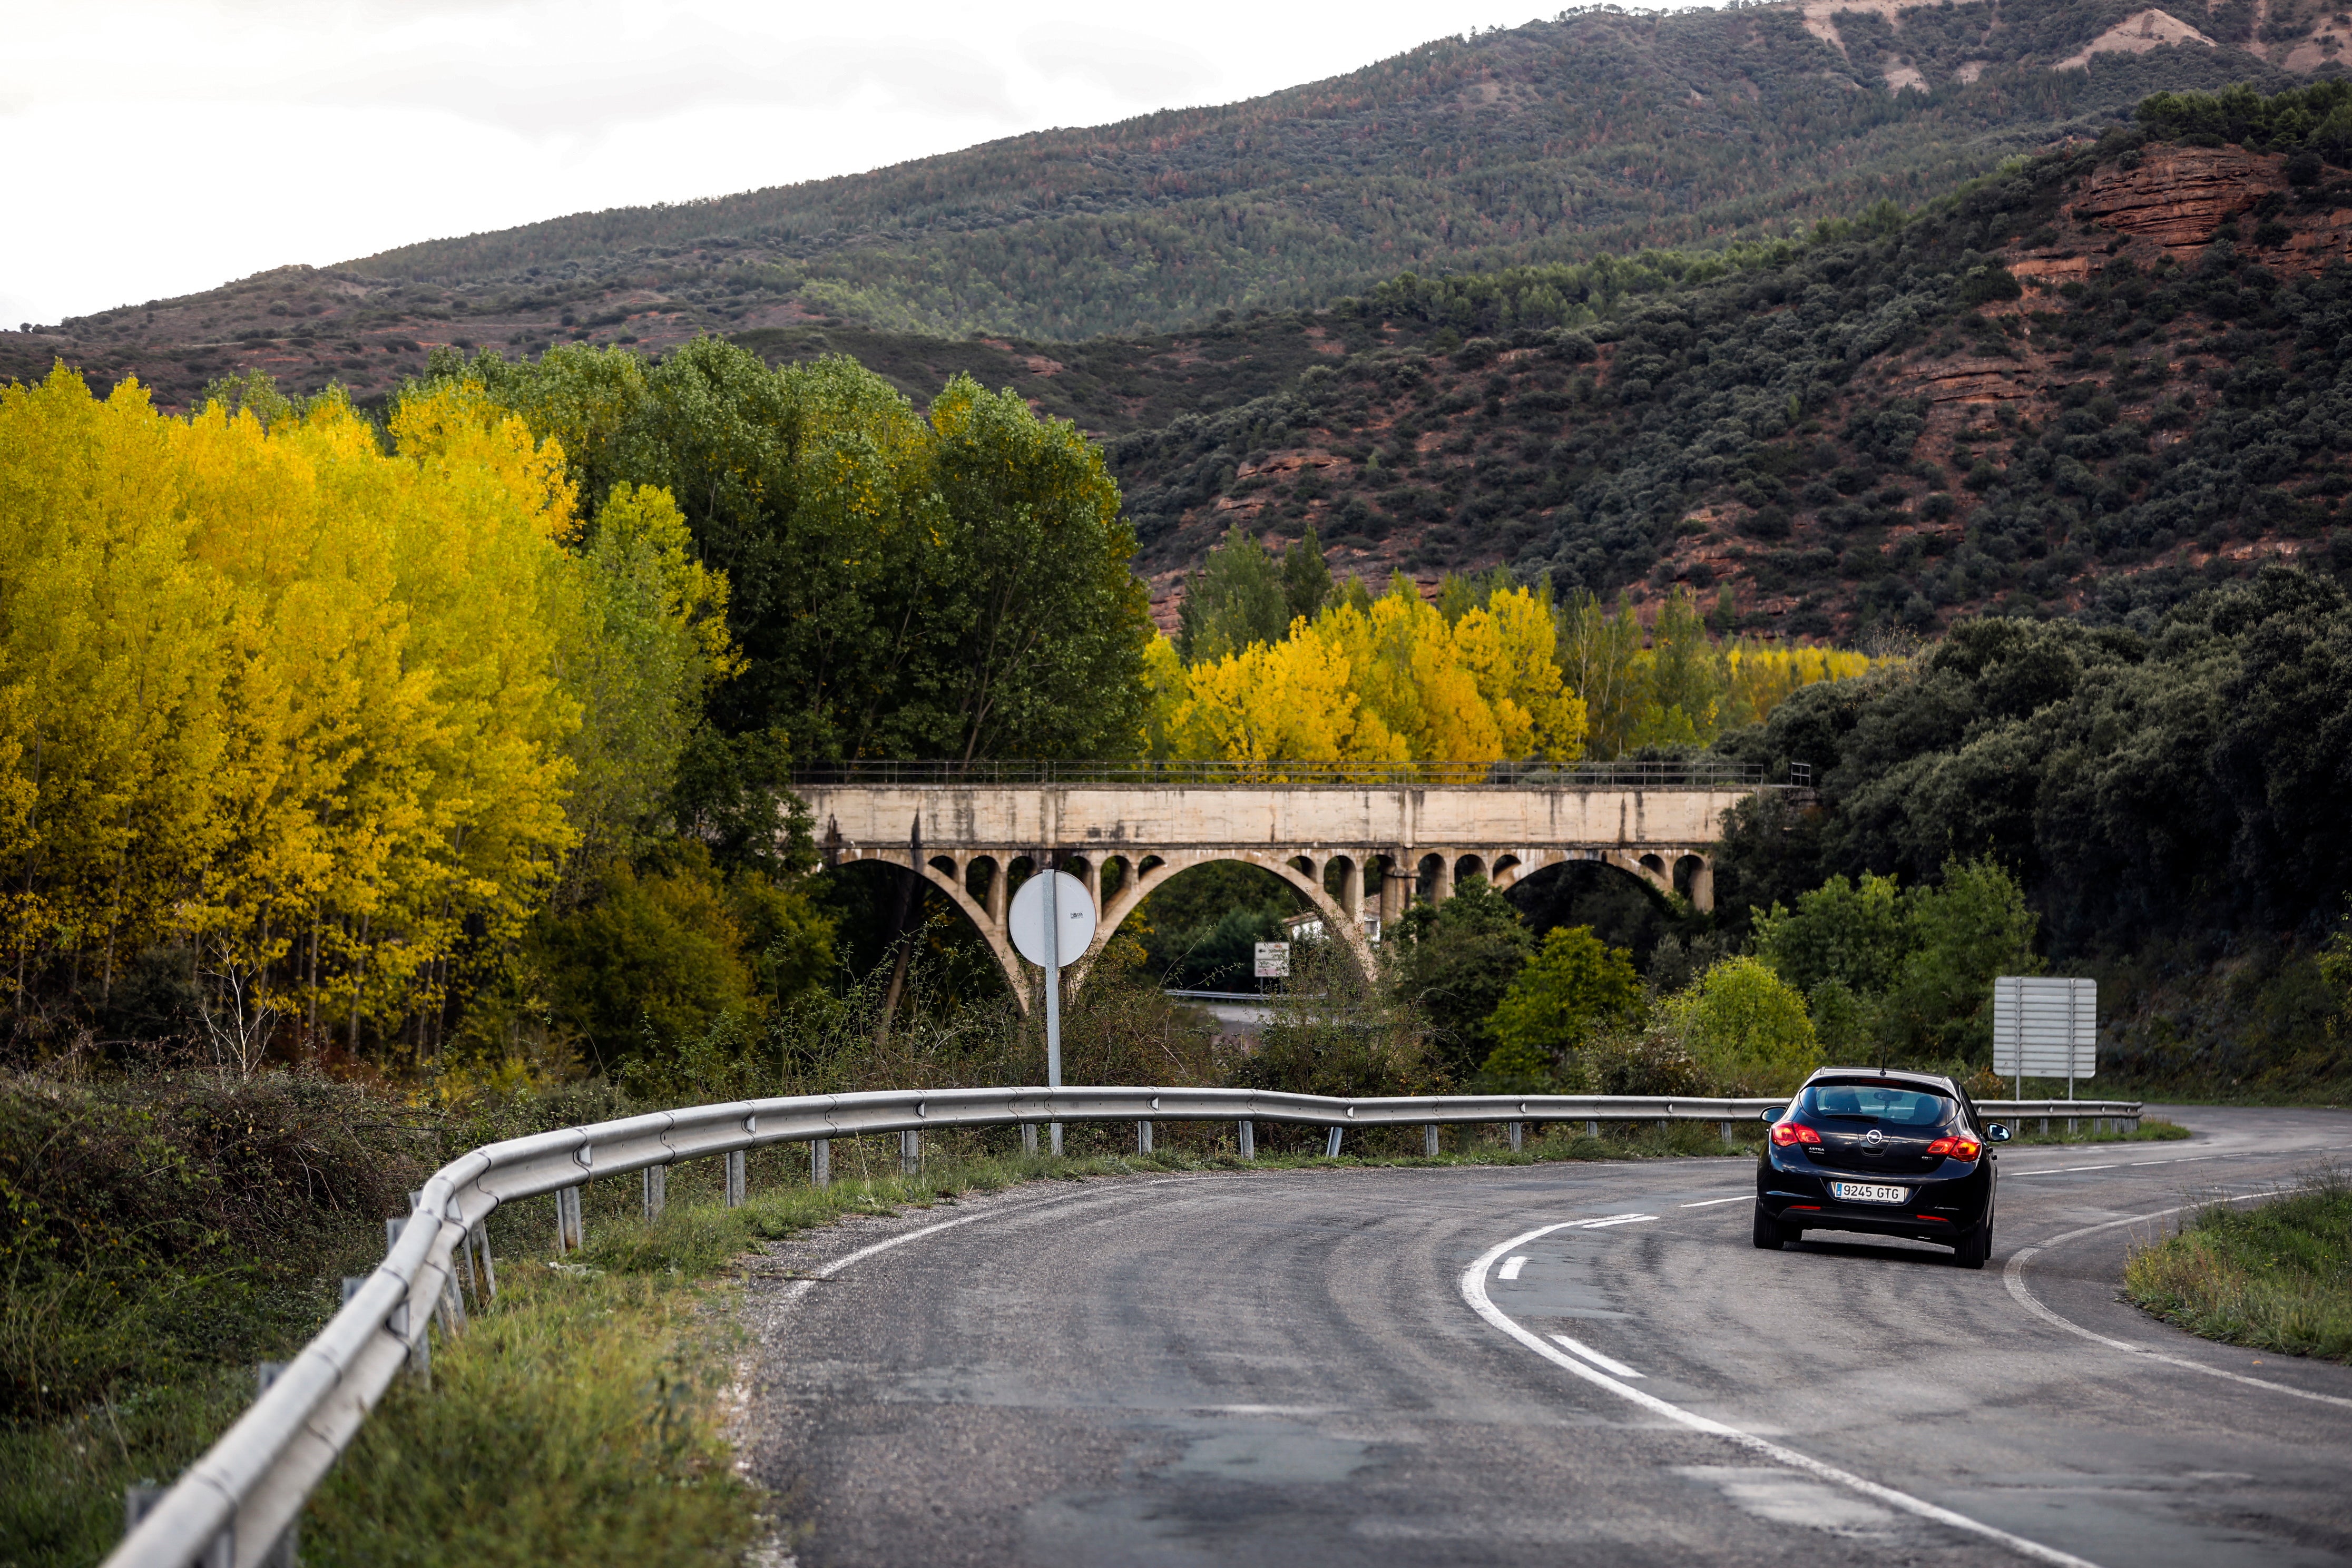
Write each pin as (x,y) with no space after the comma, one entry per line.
(1347,1367)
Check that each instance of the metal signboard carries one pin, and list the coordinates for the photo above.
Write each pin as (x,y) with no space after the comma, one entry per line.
(1052,920)
(1273,961)
(2045,1027)
(1056,902)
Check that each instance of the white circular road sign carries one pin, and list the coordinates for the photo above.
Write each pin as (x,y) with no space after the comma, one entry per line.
(1027,918)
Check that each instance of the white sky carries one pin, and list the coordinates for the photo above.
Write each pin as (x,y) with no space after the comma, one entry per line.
(160,147)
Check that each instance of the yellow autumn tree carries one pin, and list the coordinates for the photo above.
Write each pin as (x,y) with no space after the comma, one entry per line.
(1287,701)
(308,710)
(1511,645)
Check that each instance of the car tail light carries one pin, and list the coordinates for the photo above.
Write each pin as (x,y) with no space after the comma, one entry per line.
(1957,1148)
(1787,1132)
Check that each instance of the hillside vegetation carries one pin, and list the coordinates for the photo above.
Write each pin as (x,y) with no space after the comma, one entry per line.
(2169,797)
(1599,131)
(2086,380)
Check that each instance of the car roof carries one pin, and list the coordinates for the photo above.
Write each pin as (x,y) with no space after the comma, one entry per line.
(1892,1075)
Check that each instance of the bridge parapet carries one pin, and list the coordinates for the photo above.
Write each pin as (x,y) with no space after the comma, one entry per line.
(1361,852)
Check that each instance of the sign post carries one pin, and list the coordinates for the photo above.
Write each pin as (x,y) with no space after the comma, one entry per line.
(2044,1027)
(1052,920)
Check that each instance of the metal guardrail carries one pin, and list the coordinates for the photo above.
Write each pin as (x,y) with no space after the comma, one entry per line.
(234,1506)
(2065,1110)
(1693,773)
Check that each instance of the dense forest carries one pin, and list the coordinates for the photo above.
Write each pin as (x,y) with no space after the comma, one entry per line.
(2170,795)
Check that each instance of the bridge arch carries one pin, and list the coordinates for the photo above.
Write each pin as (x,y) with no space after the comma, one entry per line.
(1335,916)
(986,910)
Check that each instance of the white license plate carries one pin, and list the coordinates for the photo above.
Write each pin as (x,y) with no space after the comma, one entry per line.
(1866,1193)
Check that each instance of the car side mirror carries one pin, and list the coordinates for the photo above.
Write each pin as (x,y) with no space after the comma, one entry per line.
(1998,1133)
(1773,1113)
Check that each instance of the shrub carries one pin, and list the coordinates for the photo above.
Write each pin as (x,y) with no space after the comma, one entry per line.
(1651,1061)
(1746,1027)
(1574,987)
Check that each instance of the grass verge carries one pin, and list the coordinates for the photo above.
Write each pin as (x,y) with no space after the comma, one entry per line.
(2274,1277)
(2151,1129)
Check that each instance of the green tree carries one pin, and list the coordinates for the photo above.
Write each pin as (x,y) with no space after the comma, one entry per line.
(1599,651)
(1857,933)
(1235,599)
(1746,1026)
(954,586)
(1306,578)
(1971,928)
(1040,645)
(654,956)
(1456,961)
(1572,988)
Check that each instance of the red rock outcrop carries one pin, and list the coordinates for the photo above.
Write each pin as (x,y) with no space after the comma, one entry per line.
(2179,197)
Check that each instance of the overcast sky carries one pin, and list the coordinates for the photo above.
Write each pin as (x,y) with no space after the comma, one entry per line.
(164,146)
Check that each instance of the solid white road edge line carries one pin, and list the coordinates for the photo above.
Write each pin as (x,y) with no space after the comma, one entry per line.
(1621,1219)
(2014,1276)
(1712,1201)
(1609,1364)
(1511,1266)
(800,1287)
(1473,1292)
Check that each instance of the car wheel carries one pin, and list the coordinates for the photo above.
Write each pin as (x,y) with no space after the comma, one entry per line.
(1975,1247)
(1770,1234)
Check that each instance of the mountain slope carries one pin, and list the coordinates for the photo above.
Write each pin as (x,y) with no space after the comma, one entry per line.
(2089,381)
(1602,131)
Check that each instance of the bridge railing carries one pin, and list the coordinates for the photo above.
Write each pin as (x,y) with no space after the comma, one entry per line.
(233,1507)
(1697,773)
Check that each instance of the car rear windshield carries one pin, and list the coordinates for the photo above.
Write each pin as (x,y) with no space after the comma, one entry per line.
(1880,1102)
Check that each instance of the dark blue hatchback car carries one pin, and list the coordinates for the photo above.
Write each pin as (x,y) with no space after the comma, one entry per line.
(1889,1154)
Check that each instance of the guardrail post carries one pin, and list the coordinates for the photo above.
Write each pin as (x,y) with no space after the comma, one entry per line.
(1143,1137)
(1728,1138)
(282,1552)
(1429,1140)
(1592,1129)
(910,1153)
(821,1163)
(570,1235)
(1515,1136)
(1246,1131)
(1029,1140)
(481,1235)
(657,1191)
(137,1502)
(734,1179)
(1332,1143)
(462,1255)
(1056,1129)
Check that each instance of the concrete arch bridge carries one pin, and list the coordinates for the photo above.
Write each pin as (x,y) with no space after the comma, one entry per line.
(1361,842)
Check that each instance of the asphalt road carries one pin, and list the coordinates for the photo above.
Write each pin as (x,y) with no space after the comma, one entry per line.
(1325,1367)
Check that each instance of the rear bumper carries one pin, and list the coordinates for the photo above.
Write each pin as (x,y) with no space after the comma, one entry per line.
(1938,1208)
